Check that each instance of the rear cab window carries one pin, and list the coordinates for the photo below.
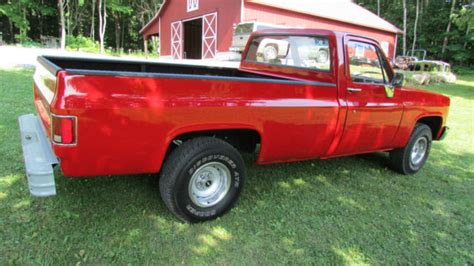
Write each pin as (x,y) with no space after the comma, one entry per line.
(307,52)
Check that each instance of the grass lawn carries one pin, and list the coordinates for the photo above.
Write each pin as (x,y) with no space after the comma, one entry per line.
(346,210)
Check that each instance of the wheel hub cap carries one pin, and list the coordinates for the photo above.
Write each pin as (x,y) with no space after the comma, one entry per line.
(418,151)
(209,184)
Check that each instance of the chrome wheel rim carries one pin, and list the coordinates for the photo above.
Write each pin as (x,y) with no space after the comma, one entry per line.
(209,184)
(419,150)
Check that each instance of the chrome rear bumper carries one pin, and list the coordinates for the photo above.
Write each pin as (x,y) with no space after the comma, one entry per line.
(38,155)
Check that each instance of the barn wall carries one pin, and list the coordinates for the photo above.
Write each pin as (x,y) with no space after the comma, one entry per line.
(228,14)
(255,12)
(153,29)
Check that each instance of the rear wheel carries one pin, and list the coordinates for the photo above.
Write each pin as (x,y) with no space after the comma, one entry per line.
(202,179)
(411,158)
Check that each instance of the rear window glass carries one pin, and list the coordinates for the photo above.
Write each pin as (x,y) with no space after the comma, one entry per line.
(307,52)
(244,28)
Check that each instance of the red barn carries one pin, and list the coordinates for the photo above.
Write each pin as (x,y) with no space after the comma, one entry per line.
(201,28)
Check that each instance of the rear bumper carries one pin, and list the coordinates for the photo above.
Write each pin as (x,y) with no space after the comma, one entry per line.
(444,133)
(38,155)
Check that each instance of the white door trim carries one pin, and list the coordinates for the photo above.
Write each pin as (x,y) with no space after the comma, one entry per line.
(209,35)
(177,40)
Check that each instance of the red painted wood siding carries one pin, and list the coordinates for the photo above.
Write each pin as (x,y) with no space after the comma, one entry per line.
(255,12)
(228,12)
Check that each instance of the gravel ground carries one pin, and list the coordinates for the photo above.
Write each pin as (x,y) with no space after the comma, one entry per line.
(14,56)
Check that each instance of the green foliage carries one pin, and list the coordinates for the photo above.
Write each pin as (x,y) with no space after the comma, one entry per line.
(350,211)
(82,43)
(434,18)
(18,12)
(32,18)
(464,19)
(22,38)
(119,6)
(31,43)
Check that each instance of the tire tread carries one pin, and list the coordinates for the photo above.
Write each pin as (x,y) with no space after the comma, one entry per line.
(398,156)
(176,160)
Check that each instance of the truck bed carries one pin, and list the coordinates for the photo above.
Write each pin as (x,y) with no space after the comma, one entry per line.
(126,113)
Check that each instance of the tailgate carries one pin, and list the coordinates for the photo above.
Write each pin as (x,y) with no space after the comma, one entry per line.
(45,85)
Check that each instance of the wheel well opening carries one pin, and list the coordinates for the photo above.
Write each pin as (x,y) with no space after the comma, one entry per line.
(245,140)
(434,122)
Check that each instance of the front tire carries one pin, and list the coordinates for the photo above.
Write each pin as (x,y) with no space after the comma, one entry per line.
(411,158)
(202,179)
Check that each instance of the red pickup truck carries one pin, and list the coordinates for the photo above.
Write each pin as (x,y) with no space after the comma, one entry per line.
(188,123)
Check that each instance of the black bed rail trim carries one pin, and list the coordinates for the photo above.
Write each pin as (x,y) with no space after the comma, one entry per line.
(141,62)
(194,76)
(50,66)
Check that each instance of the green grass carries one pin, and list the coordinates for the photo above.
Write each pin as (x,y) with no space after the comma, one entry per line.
(349,210)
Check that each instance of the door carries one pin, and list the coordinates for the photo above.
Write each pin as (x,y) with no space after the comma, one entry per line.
(374,105)
(177,40)
(192,39)
(209,36)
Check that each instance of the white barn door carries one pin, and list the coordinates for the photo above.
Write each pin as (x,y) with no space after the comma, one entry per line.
(209,36)
(177,40)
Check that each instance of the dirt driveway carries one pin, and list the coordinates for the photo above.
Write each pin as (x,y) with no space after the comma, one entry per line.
(14,56)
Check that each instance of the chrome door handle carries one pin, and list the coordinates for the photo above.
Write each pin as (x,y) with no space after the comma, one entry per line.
(354,90)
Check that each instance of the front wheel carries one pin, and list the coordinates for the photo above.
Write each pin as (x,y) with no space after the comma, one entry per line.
(411,158)
(202,179)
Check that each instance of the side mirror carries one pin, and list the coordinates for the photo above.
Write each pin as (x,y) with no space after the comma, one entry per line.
(398,80)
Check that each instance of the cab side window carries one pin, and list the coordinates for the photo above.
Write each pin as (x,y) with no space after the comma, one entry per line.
(365,63)
(291,51)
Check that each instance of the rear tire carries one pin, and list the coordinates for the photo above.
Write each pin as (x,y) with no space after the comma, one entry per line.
(411,158)
(202,179)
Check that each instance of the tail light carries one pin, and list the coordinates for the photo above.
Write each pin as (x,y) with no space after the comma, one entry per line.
(64,129)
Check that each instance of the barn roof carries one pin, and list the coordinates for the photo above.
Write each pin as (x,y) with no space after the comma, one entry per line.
(339,10)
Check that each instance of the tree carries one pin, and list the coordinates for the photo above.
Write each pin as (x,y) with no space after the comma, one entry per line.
(465,21)
(102,9)
(17,12)
(119,10)
(415,26)
(405,13)
(92,31)
(75,16)
(448,28)
(62,23)
(378,8)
